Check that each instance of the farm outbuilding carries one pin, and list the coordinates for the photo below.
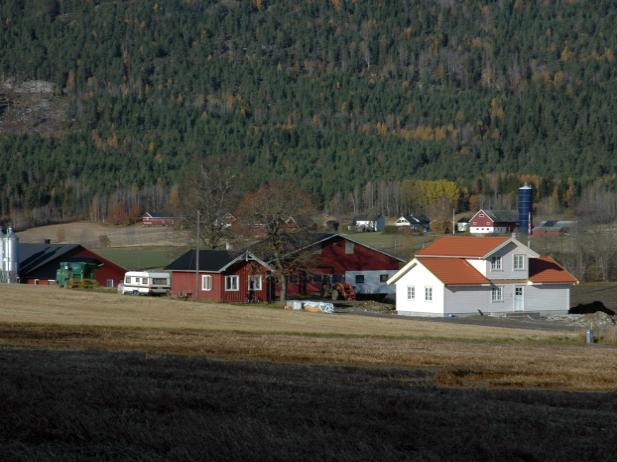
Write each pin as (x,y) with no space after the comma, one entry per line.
(323,259)
(223,276)
(38,263)
(161,218)
(486,221)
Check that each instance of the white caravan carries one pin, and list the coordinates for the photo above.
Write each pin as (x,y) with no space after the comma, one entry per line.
(146,283)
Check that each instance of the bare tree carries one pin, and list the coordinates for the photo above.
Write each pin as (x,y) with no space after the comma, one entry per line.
(212,187)
(268,210)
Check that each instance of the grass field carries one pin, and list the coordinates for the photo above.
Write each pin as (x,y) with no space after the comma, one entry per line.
(99,376)
(400,244)
(488,356)
(94,405)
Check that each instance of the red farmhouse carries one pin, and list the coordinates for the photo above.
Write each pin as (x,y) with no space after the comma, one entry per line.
(333,258)
(38,263)
(158,219)
(222,276)
(493,222)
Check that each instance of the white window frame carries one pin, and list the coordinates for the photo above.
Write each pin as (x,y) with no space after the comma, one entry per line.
(349,247)
(411,293)
(522,261)
(108,285)
(232,283)
(256,278)
(428,293)
(206,282)
(497,294)
(496,264)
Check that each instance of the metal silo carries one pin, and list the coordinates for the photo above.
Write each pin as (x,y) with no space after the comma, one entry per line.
(10,259)
(525,209)
(3,277)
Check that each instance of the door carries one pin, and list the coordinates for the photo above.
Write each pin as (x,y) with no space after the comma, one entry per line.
(519,302)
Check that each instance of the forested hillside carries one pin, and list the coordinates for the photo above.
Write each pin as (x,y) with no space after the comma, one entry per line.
(336,94)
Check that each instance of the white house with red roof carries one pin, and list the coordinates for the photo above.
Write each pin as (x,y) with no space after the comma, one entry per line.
(465,275)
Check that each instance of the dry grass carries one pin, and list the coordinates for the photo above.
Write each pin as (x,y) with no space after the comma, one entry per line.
(52,305)
(87,234)
(459,354)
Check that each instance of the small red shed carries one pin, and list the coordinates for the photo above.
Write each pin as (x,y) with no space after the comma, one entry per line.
(158,219)
(38,263)
(222,276)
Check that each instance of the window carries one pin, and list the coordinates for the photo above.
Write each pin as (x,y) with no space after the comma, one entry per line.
(160,281)
(495,263)
(206,282)
(411,293)
(497,294)
(519,262)
(359,278)
(349,247)
(110,283)
(428,294)
(127,280)
(232,283)
(383,278)
(137,280)
(255,282)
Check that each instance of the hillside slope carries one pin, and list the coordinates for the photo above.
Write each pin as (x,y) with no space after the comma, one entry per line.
(331,93)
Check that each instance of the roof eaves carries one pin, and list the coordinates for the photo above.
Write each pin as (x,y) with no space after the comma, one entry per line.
(403,271)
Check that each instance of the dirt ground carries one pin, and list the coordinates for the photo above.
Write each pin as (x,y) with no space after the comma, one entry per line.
(459,355)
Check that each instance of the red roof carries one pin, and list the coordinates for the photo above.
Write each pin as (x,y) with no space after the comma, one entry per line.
(462,246)
(547,270)
(454,271)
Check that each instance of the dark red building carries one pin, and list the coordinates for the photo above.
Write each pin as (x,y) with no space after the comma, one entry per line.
(38,263)
(332,258)
(158,219)
(223,276)
(493,222)
(316,260)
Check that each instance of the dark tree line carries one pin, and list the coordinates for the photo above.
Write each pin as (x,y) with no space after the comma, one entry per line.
(331,94)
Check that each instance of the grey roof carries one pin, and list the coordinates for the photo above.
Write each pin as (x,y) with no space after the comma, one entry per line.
(502,216)
(33,256)
(417,219)
(209,260)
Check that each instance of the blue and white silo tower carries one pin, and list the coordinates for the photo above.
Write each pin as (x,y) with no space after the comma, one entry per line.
(525,209)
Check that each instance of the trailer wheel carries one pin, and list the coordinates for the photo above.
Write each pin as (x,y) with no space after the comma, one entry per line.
(135,292)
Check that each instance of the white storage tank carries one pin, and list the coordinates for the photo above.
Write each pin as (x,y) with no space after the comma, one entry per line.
(2,244)
(11,251)
(9,256)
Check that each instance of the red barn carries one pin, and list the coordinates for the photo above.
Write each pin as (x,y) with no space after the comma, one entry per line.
(332,258)
(158,219)
(223,277)
(493,222)
(38,263)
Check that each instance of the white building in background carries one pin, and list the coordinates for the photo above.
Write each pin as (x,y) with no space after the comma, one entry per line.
(464,275)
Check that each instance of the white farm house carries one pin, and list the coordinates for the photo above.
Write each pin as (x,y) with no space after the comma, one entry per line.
(464,275)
